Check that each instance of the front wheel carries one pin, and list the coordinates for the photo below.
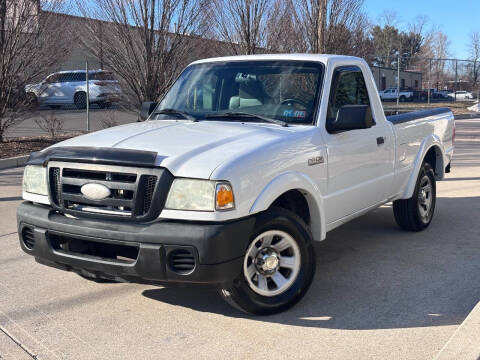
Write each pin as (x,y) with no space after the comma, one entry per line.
(416,213)
(278,265)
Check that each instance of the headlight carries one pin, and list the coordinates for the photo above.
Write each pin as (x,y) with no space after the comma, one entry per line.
(199,195)
(35,180)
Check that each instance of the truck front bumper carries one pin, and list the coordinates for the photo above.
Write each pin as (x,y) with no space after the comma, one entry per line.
(157,252)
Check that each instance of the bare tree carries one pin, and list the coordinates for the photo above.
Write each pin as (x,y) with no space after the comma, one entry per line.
(474,48)
(51,124)
(146,43)
(27,51)
(436,47)
(332,26)
(108,119)
(242,24)
(283,34)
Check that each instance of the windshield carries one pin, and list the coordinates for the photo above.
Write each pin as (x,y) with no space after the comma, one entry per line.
(279,90)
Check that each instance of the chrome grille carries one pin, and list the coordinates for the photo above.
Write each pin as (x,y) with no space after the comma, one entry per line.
(133,191)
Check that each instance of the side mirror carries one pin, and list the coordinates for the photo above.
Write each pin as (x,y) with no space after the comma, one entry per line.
(147,108)
(352,117)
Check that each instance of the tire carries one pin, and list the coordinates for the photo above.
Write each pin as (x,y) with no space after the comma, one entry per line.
(80,100)
(402,98)
(54,107)
(289,243)
(416,213)
(104,104)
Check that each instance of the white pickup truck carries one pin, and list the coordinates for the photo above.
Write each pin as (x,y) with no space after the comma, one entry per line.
(243,164)
(391,94)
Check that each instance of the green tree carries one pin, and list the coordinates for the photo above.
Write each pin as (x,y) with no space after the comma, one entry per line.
(386,44)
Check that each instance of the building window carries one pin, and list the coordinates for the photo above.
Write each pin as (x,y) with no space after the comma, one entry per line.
(402,83)
(416,84)
(383,86)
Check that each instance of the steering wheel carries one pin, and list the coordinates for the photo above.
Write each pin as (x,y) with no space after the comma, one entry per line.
(290,102)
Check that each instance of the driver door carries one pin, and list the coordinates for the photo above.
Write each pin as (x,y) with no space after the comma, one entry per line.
(359,161)
(49,89)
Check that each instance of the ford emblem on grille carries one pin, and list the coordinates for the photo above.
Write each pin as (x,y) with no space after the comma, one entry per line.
(95,191)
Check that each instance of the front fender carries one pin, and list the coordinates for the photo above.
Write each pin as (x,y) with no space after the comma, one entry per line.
(431,141)
(295,181)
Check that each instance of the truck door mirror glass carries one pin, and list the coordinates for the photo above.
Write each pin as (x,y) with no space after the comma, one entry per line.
(351,117)
(147,108)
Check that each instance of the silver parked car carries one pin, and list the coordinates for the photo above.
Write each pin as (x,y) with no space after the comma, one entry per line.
(461,95)
(70,87)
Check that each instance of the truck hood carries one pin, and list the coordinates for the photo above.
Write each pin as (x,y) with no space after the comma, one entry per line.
(187,149)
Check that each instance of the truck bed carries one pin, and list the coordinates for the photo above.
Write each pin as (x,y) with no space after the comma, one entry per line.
(414,115)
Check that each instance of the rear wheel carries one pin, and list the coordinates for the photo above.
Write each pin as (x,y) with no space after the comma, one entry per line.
(403,98)
(80,100)
(104,104)
(416,213)
(278,266)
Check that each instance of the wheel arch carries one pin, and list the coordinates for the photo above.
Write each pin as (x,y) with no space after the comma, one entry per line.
(431,150)
(298,183)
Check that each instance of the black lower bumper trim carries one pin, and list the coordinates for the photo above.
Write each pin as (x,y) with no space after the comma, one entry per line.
(157,252)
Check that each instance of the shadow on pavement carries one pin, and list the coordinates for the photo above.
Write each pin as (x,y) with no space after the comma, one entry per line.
(372,275)
(11,177)
(11,198)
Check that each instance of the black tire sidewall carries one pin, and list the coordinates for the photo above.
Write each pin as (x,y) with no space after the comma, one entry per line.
(249,300)
(426,169)
(80,100)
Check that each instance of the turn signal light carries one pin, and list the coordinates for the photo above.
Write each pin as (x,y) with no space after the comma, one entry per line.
(224,197)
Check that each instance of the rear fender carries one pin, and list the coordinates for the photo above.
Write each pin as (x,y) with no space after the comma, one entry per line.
(432,141)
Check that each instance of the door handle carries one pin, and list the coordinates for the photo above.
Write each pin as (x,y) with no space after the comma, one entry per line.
(380,140)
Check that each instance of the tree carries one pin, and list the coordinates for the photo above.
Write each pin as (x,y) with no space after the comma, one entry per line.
(386,42)
(27,51)
(242,24)
(149,41)
(474,49)
(410,44)
(436,47)
(283,35)
(332,26)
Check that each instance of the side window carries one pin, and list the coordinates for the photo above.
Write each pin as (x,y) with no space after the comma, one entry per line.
(65,77)
(348,88)
(78,76)
(53,79)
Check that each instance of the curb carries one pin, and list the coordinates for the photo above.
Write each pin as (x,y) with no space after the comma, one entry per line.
(466,116)
(13,162)
(465,341)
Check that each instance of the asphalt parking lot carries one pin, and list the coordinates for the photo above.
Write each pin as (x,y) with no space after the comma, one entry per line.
(74,119)
(379,293)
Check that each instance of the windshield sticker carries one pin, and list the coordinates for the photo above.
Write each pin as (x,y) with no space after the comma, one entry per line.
(295,113)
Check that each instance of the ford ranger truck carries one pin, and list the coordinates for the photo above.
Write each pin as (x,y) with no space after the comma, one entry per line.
(238,170)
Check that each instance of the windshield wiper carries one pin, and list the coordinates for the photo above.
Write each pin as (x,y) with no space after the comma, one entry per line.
(175,112)
(238,114)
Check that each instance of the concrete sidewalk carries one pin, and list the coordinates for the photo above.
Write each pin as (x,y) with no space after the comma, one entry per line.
(465,342)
